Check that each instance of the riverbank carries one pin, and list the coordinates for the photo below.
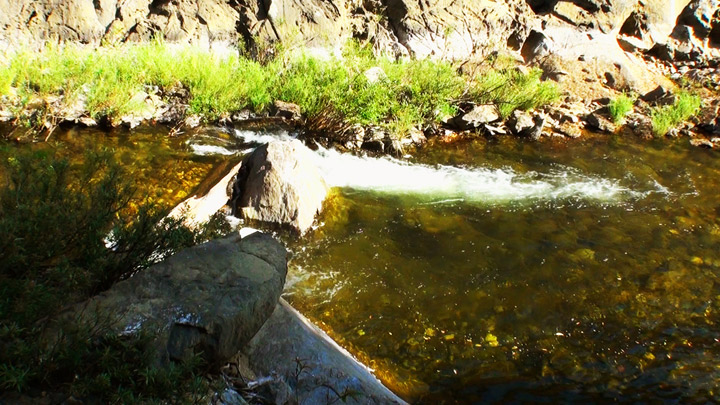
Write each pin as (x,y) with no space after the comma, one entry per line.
(350,99)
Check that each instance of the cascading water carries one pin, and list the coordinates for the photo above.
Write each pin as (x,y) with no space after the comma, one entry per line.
(448,183)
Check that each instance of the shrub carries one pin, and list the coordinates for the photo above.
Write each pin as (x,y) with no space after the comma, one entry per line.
(512,89)
(620,106)
(65,236)
(665,118)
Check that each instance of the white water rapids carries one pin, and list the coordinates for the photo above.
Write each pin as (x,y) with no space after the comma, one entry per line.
(441,183)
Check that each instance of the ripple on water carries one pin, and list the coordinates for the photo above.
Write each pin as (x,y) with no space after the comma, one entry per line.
(562,284)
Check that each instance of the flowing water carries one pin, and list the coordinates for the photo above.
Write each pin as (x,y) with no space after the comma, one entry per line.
(496,270)
(509,271)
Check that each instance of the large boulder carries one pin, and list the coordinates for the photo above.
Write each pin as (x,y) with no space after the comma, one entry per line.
(210,298)
(279,183)
(288,342)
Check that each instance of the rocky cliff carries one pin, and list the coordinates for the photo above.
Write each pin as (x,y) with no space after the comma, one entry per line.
(457,29)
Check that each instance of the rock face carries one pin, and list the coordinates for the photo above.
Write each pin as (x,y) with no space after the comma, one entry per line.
(210,298)
(448,29)
(288,341)
(279,183)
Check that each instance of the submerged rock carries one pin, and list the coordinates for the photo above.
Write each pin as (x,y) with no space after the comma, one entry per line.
(210,298)
(279,183)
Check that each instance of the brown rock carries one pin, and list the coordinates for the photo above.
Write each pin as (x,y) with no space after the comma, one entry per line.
(288,111)
(597,122)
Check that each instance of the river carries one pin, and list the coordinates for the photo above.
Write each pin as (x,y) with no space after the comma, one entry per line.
(497,270)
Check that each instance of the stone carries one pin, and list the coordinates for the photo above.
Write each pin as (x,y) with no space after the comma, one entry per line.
(493,130)
(279,183)
(520,122)
(231,397)
(536,46)
(569,129)
(376,139)
(597,122)
(288,341)
(209,299)
(375,74)
(288,111)
(656,95)
(476,117)
(702,143)
(523,124)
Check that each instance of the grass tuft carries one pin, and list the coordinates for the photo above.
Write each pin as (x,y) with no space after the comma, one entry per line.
(511,89)
(665,118)
(620,106)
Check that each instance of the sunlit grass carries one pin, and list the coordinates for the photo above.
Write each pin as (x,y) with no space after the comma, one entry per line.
(620,106)
(408,94)
(665,118)
(511,90)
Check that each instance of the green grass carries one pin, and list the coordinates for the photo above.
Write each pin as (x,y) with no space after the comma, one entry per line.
(413,93)
(620,106)
(513,90)
(665,118)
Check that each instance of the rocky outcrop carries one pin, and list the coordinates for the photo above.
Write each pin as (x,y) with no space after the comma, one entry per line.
(210,298)
(279,183)
(696,37)
(288,342)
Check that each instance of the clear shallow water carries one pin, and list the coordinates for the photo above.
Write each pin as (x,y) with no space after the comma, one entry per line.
(513,272)
(494,271)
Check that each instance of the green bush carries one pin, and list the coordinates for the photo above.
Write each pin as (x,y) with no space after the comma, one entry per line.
(620,106)
(513,90)
(65,236)
(665,118)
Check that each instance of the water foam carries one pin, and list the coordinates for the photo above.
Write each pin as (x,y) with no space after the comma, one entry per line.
(206,150)
(394,176)
(261,137)
(448,183)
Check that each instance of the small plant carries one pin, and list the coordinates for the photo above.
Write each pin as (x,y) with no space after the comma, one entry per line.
(620,106)
(668,117)
(512,89)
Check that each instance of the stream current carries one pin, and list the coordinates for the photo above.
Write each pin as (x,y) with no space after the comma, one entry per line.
(497,270)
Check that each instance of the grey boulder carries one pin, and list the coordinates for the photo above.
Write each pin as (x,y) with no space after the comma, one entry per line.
(279,183)
(288,342)
(211,298)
